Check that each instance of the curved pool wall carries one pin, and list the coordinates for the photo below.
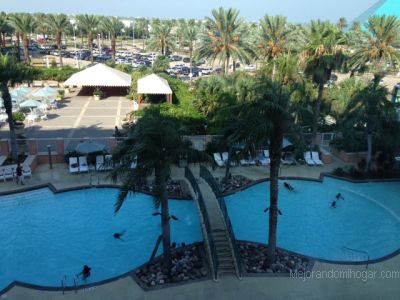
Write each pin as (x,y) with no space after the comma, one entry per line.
(364,226)
(47,237)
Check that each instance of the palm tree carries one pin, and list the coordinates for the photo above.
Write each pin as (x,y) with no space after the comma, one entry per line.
(191,35)
(23,24)
(322,54)
(342,23)
(266,118)
(160,36)
(154,143)
(367,110)
(11,73)
(273,38)
(113,26)
(42,24)
(142,29)
(58,24)
(224,39)
(3,29)
(88,23)
(379,46)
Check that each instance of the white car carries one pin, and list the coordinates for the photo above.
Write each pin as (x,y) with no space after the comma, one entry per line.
(249,68)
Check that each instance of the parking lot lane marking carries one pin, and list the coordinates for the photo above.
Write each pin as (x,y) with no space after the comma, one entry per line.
(118,111)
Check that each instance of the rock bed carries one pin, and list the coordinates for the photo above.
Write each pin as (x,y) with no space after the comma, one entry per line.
(234,182)
(188,264)
(254,259)
(175,189)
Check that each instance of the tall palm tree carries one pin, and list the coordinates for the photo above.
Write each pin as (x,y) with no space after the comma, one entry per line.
(190,36)
(113,26)
(142,30)
(58,24)
(367,110)
(379,46)
(11,73)
(273,38)
(342,23)
(42,24)
(266,118)
(161,37)
(3,29)
(224,39)
(88,23)
(153,144)
(24,25)
(323,53)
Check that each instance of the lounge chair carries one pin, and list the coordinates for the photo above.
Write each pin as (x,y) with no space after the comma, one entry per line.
(108,162)
(225,157)
(264,161)
(218,160)
(83,165)
(315,158)
(99,162)
(26,172)
(308,159)
(250,160)
(73,165)
(9,173)
(2,177)
(134,163)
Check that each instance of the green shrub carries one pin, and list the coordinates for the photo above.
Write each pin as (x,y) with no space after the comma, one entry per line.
(18,117)
(54,73)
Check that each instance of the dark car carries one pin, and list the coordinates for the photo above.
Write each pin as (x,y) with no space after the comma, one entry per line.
(186,59)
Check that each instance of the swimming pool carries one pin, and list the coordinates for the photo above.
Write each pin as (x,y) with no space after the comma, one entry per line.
(366,223)
(45,236)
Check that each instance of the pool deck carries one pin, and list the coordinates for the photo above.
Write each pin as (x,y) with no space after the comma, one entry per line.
(227,287)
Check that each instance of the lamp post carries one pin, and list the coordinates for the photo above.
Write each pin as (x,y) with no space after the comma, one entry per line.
(76,52)
(49,156)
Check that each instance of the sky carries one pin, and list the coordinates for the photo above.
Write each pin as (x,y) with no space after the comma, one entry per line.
(296,10)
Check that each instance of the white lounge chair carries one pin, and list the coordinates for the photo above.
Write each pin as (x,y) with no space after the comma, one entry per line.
(264,161)
(26,172)
(308,159)
(83,165)
(225,156)
(108,162)
(134,163)
(218,160)
(316,159)
(9,173)
(73,165)
(99,162)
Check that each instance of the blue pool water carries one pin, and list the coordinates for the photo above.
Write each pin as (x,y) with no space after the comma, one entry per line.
(45,236)
(368,219)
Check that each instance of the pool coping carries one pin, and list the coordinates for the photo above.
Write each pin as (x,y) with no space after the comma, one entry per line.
(131,274)
(56,190)
(320,180)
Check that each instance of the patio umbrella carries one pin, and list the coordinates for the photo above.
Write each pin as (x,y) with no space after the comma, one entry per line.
(46,92)
(30,104)
(87,147)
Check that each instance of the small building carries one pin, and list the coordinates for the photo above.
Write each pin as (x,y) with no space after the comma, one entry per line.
(153,85)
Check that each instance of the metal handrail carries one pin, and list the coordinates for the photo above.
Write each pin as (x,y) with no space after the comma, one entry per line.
(207,176)
(208,234)
(359,251)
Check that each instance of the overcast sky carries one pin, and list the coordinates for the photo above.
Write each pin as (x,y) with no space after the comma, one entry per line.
(295,10)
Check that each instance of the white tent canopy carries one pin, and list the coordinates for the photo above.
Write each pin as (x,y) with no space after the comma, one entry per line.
(99,75)
(153,84)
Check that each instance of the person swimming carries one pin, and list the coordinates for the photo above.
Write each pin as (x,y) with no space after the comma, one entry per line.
(333,205)
(339,196)
(288,186)
(118,235)
(85,272)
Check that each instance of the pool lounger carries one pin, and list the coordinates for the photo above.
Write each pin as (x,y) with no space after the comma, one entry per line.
(83,165)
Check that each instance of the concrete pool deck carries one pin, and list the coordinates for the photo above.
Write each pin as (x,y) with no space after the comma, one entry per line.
(350,286)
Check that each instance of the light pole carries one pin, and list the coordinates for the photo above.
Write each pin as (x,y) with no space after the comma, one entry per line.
(133,34)
(99,43)
(76,52)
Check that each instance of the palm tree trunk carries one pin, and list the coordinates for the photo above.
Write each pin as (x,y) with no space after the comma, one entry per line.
(90,42)
(369,153)
(166,230)
(18,45)
(275,152)
(26,49)
(317,113)
(228,164)
(113,47)
(273,70)
(227,65)
(59,48)
(8,106)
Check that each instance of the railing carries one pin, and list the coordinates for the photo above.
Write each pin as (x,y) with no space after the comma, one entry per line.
(359,251)
(207,176)
(208,234)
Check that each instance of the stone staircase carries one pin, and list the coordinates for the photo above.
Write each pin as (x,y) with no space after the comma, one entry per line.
(223,250)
